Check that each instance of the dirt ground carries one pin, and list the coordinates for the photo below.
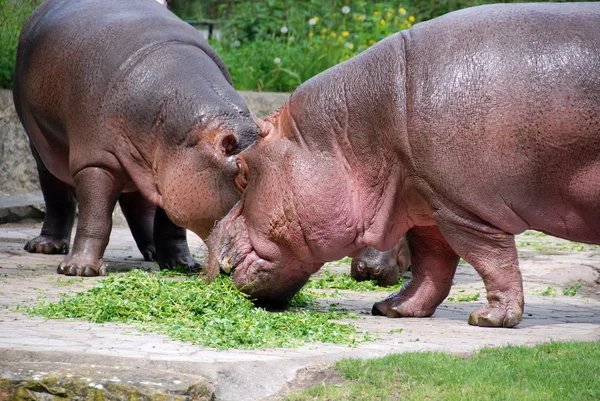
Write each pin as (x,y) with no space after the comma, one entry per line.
(36,348)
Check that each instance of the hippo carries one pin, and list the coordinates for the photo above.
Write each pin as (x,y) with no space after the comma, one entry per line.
(384,267)
(122,101)
(459,133)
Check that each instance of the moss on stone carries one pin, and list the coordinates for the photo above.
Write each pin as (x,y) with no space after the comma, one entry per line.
(61,388)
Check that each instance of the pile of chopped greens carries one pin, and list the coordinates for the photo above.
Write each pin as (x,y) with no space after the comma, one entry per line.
(214,315)
(325,279)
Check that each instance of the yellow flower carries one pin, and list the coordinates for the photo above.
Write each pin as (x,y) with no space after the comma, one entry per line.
(316,19)
(376,13)
(345,33)
(382,22)
(333,34)
(402,11)
(371,42)
(310,35)
(411,18)
(408,25)
(363,17)
(324,30)
(388,15)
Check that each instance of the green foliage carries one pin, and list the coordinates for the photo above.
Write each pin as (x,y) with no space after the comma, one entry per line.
(572,290)
(329,280)
(464,298)
(215,315)
(276,45)
(548,292)
(13,14)
(554,371)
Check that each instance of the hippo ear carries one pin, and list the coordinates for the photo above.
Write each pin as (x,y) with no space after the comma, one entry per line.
(265,127)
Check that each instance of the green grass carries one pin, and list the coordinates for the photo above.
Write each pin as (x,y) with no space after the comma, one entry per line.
(572,289)
(464,298)
(12,17)
(540,242)
(214,315)
(554,371)
(548,292)
(329,280)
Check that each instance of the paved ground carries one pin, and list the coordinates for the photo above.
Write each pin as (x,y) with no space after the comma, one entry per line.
(102,355)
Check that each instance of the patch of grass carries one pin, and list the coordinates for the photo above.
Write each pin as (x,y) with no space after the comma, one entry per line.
(464,298)
(554,371)
(63,282)
(12,17)
(215,315)
(325,280)
(572,290)
(540,242)
(548,292)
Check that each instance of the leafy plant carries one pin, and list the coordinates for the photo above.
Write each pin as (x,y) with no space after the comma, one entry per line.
(13,14)
(572,290)
(548,292)
(276,45)
(329,280)
(464,298)
(215,315)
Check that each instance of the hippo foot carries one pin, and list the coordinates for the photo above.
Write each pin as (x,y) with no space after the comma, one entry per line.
(72,267)
(149,253)
(497,315)
(188,262)
(398,305)
(48,245)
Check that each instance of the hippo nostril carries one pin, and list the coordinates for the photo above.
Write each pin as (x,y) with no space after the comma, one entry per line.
(241,179)
(361,267)
(376,270)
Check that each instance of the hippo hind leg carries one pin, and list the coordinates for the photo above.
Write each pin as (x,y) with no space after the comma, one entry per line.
(171,244)
(60,201)
(139,213)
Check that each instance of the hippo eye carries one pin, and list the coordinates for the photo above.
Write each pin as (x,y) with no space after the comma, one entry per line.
(229,145)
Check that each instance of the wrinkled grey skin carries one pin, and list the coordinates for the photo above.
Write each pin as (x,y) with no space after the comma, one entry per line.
(458,133)
(385,267)
(123,101)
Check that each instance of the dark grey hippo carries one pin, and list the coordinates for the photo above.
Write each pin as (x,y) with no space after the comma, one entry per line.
(458,133)
(385,267)
(123,101)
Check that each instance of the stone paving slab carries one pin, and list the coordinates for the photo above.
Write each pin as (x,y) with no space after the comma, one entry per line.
(39,349)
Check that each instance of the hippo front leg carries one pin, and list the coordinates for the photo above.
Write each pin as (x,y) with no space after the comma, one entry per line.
(97,194)
(433,267)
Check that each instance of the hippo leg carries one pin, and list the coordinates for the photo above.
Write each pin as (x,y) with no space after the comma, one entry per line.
(171,244)
(433,266)
(493,254)
(139,213)
(60,213)
(97,194)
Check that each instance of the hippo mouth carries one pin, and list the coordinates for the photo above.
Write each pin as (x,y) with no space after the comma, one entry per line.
(267,281)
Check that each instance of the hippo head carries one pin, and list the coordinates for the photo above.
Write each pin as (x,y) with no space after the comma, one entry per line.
(302,205)
(197,176)
(384,267)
